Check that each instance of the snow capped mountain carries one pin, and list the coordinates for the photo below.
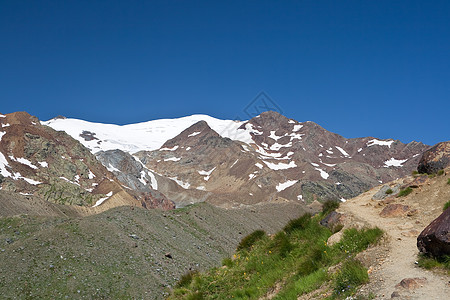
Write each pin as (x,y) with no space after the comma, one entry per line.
(148,136)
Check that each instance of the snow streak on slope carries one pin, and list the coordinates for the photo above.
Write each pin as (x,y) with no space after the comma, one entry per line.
(149,135)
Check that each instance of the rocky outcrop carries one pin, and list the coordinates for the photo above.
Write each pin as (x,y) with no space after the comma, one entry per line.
(435,159)
(333,221)
(435,238)
(394,210)
(37,160)
(384,192)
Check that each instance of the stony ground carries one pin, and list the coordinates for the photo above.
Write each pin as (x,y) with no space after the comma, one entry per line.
(123,252)
(395,259)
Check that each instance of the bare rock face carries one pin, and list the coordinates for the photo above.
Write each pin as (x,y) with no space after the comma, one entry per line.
(435,238)
(435,159)
(394,210)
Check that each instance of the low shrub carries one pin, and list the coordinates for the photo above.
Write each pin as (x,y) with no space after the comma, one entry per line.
(405,192)
(446,205)
(248,241)
(441,172)
(281,244)
(351,275)
(415,172)
(329,206)
(448,181)
(428,262)
(389,191)
(186,279)
(298,224)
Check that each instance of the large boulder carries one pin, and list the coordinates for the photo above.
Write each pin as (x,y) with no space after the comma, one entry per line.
(434,159)
(435,238)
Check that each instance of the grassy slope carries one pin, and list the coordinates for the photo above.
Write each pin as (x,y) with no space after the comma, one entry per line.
(292,262)
(95,256)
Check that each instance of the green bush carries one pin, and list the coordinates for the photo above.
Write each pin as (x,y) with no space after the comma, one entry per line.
(227,262)
(281,244)
(405,192)
(350,276)
(446,205)
(415,172)
(298,224)
(329,206)
(186,279)
(441,172)
(248,241)
(389,191)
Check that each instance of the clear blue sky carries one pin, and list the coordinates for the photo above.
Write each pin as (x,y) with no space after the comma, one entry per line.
(357,68)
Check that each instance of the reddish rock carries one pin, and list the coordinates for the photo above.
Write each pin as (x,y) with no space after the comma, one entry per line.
(412,283)
(435,238)
(394,210)
(416,183)
(435,159)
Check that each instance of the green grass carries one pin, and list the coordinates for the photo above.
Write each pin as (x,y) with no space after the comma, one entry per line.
(248,241)
(429,263)
(440,172)
(448,181)
(405,192)
(446,205)
(349,277)
(293,262)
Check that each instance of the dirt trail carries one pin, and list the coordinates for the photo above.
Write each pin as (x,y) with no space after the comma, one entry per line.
(395,259)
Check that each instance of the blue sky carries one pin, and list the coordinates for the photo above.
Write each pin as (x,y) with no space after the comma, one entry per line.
(357,68)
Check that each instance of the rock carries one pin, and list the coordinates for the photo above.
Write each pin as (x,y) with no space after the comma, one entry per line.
(411,283)
(332,220)
(410,233)
(434,159)
(416,183)
(168,255)
(395,294)
(133,236)
(381,194)
(394,210)
(335,238)
(435,238)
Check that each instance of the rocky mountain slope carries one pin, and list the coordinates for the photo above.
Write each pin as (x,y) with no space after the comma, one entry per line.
(37,160)
(282,160)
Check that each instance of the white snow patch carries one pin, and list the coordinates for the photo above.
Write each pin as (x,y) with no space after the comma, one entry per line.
(394,162)
(416,155)
(201,188)
(142,178)
(101,200)
(282,186)
(323,173)
(6,125)
(172,159)
(342,200)
(77,178)
(2,133)
(184,185)
(338,183)
(92,175)
(194,133)
(299,197)
(297,128)
(251,176)
(280,166)
(277,146)
(273,135)
(169,149)
(259,165)
(206,173)
(329,152)
(23,161)
(2,116)
(292,122)
(378,142)
(153,183)
(329,165)
(43,164)
(342,151)
(188,148)
(110,168)
(234,163)
(314,164)
(70,181)
(360,149)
